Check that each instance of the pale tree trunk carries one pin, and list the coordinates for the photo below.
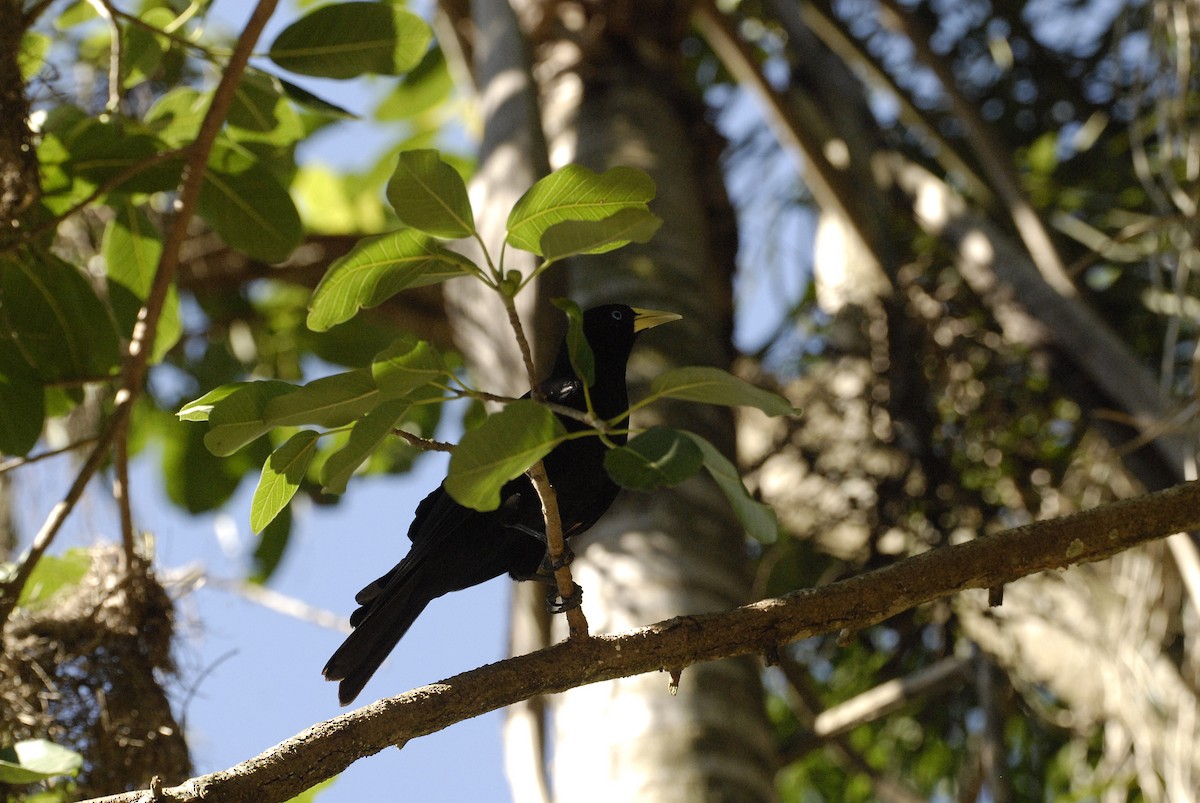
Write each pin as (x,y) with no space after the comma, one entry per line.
(654,555)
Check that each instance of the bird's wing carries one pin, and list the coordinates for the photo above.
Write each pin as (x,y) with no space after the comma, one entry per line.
(565,391)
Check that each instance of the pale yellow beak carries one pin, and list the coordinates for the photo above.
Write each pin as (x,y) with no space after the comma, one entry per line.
(649,318)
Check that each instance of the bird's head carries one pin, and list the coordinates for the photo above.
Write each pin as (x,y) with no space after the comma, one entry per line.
(611,329)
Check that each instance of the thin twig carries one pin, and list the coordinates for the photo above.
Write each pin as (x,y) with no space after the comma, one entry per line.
(145,330)
(425,444)
(556,542)
(17,462)
(105,11)
(121,495)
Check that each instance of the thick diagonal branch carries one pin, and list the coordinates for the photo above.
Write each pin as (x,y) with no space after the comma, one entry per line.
(329,747)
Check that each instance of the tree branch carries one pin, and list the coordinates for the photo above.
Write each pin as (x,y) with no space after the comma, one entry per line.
(329,747)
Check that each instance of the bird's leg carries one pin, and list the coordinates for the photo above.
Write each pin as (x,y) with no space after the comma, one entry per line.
(524,528)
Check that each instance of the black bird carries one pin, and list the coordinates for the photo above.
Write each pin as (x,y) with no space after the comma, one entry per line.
(454,547)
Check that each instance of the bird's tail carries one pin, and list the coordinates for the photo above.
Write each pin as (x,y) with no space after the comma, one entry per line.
(378,626)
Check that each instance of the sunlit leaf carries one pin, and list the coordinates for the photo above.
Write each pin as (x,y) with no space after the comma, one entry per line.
(345,40)
(710,385)
(406,365)
(281,477)
(376,269)
(54,574)
(199,409)
(176,116)
(501,448)
(656,458)
(430,195)
(759,520)
(365,437)
(36,760)
(575,193)
(331,401)
(571,237)
(238,418)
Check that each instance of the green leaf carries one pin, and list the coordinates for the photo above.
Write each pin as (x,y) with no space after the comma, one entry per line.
(54,319)
(238,419)
(427,85)
(331,401)
(272,543)
(701,383)
(575,193)
(578,348)
(22,403)
(758,519)
(199,409)
(406,365)
(131,250)
(281,477)
(53,575)
(142,50)
(313,102)
(197,480)
(261,112)
(658,457)
(376,269)
(36,760)
(366,435)
(430,196)
(503,447)
(245,203)
(103,149)
(348,39)
(310,795)
(176,116)
(571,237)
(32,55)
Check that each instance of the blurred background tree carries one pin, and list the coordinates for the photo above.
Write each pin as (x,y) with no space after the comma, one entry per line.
(964,237)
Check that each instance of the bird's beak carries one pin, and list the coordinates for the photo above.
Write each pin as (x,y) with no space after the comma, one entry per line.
(644,319)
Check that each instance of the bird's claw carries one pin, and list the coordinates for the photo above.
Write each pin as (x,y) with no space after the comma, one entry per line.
(551,565)
(556,603)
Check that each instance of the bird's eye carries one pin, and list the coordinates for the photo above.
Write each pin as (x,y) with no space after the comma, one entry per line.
(617,315)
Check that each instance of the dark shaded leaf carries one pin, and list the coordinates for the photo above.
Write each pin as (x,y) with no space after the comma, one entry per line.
(656,458)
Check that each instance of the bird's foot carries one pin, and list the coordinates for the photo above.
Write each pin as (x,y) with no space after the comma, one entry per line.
(551,565)
(556,603)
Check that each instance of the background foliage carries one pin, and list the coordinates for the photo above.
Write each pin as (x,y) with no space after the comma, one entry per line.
(982,287)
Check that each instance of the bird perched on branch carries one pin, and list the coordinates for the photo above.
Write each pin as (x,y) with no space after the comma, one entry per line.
(455,547)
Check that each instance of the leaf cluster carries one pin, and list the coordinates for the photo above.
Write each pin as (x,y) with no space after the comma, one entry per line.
(571,211)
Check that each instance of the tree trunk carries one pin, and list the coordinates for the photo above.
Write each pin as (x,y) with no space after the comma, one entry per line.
(654,555)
